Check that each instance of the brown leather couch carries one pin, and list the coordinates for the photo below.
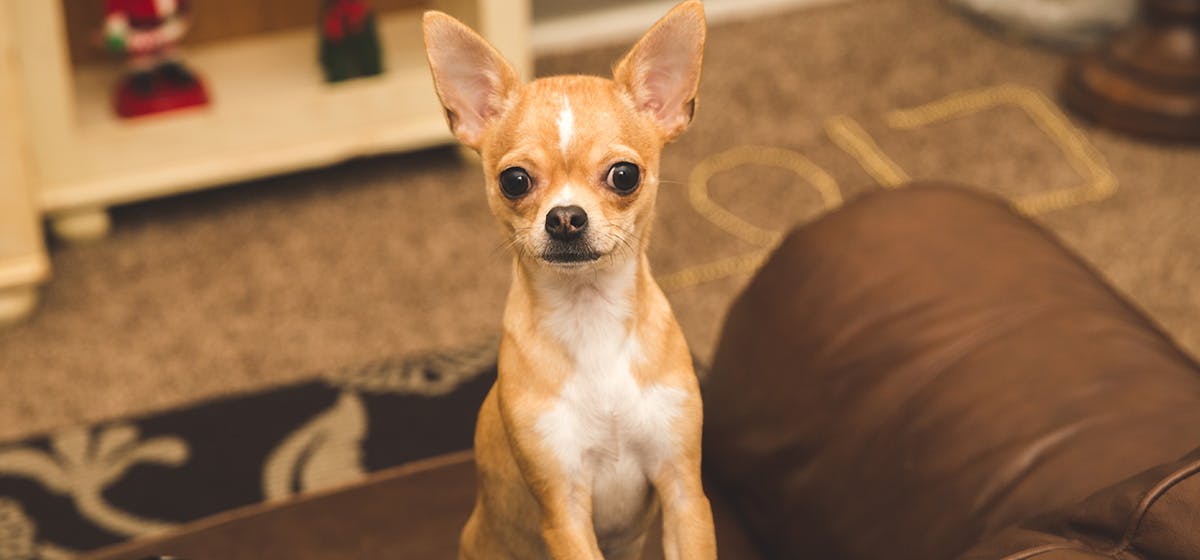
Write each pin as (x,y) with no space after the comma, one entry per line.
(922,374)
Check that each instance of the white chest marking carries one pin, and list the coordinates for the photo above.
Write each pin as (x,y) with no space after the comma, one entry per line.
(607,432)
(566,125)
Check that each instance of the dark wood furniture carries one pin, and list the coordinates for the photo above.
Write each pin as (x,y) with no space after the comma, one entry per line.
(1146,81)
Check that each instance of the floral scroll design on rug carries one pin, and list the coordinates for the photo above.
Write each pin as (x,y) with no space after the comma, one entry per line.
(18,534)
(81,467)
(1099,181)
(326,451)
(323,453)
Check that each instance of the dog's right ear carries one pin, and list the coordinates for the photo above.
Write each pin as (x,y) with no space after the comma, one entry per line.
(472,79)
(662,71)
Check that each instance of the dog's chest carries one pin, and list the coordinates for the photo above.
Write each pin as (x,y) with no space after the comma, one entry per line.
(608,432)
(611,436)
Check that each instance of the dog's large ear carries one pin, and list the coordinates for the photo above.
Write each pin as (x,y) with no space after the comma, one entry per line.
(662,71)
(472,79)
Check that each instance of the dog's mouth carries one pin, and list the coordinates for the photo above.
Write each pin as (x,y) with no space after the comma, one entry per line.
(570,257)
(570,254)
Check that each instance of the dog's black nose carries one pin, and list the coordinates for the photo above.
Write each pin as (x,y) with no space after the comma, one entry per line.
(565,223)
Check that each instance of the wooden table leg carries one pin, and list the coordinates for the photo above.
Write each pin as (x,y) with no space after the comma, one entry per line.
(1146,81)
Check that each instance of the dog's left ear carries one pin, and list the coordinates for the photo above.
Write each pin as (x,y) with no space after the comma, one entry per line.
(662,71)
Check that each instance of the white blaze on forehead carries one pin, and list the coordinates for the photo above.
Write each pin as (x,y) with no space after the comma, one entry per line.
(566,125)
(565,197)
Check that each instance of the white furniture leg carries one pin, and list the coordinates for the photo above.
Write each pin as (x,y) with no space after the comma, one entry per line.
(17,303)
(81,226)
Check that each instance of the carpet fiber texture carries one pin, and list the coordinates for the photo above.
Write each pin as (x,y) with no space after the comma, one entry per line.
(264,284)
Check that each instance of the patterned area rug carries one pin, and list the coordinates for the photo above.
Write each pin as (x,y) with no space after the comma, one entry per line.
(86,487)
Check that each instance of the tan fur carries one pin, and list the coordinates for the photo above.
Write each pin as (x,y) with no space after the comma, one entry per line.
(526,506)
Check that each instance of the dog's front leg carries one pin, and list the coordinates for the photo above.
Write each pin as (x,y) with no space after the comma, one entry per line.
(567,524)
(687,516)
(563,497)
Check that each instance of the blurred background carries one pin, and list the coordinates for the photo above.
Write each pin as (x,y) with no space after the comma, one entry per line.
(247,262)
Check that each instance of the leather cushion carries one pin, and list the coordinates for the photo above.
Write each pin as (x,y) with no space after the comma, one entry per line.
(925,367)
(1155,515)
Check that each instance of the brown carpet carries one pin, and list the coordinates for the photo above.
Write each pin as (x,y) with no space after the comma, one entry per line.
(261,284)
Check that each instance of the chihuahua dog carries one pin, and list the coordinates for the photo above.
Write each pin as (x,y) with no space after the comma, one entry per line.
(593,424)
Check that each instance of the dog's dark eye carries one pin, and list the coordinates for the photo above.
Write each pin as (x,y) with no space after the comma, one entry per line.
(515,182)
(623,177)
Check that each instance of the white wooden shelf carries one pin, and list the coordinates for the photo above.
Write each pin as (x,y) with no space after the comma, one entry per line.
(65,156)
(271,111)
